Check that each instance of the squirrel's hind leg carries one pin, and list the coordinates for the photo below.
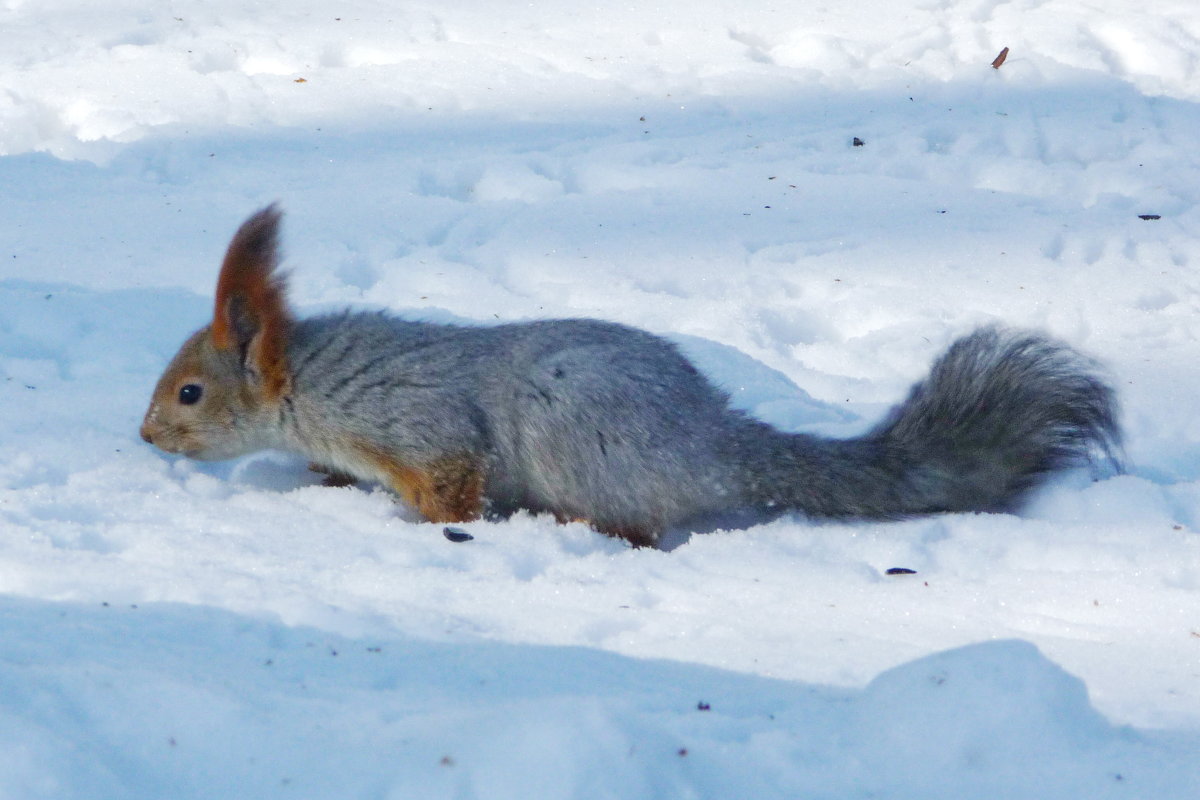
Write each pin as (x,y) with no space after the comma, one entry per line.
(636,535)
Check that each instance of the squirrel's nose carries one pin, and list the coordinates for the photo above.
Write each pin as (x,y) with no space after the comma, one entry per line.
(147,427)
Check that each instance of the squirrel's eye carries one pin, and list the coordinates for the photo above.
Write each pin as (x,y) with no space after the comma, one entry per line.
(190,393)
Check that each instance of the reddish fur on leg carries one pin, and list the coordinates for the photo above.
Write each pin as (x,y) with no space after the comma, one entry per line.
(447,490)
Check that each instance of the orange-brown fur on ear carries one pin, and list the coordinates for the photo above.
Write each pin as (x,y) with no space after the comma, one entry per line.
(251,311)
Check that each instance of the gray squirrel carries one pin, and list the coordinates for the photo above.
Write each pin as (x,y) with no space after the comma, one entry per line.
(599,422)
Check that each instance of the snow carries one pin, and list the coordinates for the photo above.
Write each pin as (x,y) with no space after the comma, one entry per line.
(316,715)
(179,629)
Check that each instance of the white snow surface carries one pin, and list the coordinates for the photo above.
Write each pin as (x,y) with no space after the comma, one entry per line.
(184,630)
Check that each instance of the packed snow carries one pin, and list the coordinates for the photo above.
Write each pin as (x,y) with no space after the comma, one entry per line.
(812,199)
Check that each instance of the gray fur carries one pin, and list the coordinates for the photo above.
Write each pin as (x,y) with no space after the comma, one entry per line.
(601,422)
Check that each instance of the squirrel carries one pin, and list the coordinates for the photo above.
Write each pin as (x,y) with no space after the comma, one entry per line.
(600,422)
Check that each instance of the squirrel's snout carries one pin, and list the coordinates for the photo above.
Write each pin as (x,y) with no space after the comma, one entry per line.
(148,424)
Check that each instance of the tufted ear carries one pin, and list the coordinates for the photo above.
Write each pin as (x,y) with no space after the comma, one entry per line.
(251,314)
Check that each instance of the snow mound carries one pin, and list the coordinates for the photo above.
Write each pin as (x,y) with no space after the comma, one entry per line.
(108,701)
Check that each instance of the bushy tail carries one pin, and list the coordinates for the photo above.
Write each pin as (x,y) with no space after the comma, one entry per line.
(999,411)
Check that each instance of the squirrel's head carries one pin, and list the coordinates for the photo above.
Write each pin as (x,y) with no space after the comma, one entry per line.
(219,396)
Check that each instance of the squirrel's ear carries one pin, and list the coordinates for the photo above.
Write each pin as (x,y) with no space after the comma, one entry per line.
(251,312)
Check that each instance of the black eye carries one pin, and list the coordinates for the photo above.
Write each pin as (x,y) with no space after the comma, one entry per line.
(190,393)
